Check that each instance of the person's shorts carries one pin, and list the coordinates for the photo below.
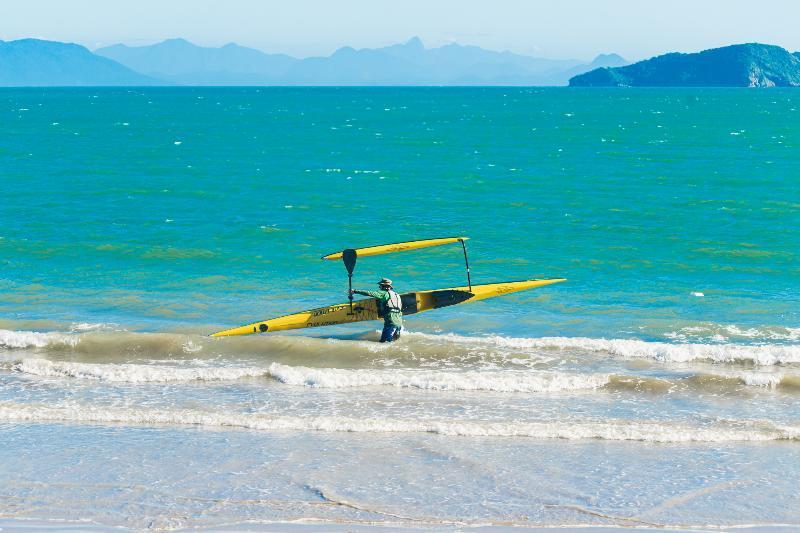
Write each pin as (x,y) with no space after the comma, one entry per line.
(390,333)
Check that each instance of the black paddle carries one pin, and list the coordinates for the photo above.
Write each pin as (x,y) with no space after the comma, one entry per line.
(349,257)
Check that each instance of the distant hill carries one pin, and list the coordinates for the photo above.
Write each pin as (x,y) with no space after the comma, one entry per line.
(410,63)
(741,65)
(182,62)
(33,62)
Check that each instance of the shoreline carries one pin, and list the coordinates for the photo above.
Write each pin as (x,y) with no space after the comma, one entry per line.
(39,524)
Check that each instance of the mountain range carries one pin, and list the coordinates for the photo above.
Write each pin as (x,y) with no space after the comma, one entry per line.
(179,62)
(31,62)
(741,65)
(411,63)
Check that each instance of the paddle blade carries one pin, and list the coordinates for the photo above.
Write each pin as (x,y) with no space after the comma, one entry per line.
(349,257)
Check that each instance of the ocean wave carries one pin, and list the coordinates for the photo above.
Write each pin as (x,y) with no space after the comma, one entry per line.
(33,339)
(632,348)
(726,332)
(500,381)
(80,327)
(133,373)
(471,380)
(105,344)
(420,347)
(679,353)
(614,430)
(770,381)
(767,380)
(103,340)
(718,383)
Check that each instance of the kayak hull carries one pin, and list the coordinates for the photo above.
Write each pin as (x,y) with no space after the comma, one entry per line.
(365,310)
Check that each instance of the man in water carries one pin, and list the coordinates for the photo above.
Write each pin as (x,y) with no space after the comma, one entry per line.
(392,307)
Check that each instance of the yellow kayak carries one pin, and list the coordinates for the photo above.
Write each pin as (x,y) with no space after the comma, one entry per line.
(413,302)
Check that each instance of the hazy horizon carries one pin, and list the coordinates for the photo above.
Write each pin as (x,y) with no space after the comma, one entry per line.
(344,45)
(573,29)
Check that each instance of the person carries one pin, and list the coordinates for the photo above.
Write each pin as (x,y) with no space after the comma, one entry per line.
(392,306)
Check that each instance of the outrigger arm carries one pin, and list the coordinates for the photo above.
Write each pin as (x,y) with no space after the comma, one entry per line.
(350,255)
(466,263)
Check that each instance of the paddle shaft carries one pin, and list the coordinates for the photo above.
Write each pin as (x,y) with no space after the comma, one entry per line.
(350,291)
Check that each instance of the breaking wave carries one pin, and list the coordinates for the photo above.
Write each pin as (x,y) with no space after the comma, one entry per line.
(632,348)
(504,381)
(33,339)
(726,332)
(420,347)
(614,430)
(470,380)
(133,373)
(489,380)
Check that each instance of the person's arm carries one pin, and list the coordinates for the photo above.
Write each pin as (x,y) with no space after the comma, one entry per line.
(373,294)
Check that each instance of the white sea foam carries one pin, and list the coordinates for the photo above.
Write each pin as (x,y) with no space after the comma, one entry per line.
(133,373)
(33,339)
(761,379)
(632,348)
(505,381)
(191,347)
(471,380)
(497,381)
(81,327)
(725,332)
(758,379)
(719,353)
(617,430)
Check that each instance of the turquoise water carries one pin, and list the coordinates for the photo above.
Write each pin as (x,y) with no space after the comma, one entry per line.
(657,386)
(638,197)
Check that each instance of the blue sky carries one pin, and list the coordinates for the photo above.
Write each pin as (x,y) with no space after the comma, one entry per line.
(556,28)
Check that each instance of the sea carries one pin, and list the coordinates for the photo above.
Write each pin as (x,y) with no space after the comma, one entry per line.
(659,386)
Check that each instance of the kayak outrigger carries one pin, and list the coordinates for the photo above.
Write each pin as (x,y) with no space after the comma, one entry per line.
(413,302)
